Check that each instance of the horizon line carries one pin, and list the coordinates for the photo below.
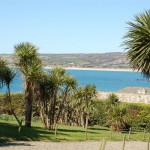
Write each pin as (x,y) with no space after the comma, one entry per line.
(67,53)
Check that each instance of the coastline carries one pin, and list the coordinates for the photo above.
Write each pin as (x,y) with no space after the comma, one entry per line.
(94,69)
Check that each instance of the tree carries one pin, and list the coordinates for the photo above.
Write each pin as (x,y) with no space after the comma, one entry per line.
(31,68)
(3,65)
(55,89)
(90,93)
(69,86)
(6,77)
(43,93)
(112,99)
(84,98)
(137,42)
(57,77)
(118,117)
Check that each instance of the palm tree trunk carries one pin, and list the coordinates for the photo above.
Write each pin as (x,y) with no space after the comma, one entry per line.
(53,108)
(11,107)
(43,115)
(28,103)
(52,111)
(86,125)
(62,104)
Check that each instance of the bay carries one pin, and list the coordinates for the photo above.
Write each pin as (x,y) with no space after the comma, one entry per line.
(110,81)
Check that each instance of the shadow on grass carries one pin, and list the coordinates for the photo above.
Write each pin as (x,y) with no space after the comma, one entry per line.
(125,132)
(9,132)
(100,129)
(3,144)
(70,130)
(75,131)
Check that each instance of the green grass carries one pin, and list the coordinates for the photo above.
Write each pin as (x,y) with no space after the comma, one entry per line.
(9,132)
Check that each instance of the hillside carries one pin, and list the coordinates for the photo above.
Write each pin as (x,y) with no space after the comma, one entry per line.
(105,60)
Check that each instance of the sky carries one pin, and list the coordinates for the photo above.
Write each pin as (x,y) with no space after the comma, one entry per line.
(67,26)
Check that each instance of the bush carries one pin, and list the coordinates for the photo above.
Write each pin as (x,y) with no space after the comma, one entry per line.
(99,117)
(17,102)
(140,116)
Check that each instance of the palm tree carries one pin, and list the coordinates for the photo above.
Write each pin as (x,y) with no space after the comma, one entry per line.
(137,42)
(78,106)
(30,66)
(43,92)
(90,93)
(6,77)
(113,99)
(118,117)
(3,65)
(54,91)
(57,77)
(84,97)
(69,86)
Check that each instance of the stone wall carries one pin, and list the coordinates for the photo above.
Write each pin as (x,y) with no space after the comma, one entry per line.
(127,97)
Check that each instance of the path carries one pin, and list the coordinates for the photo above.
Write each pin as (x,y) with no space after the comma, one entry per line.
(71,145)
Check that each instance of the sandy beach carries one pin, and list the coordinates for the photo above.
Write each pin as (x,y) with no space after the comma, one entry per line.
(95,69)
(130,145)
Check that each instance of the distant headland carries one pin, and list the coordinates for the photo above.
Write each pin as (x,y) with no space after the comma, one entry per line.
(114,61)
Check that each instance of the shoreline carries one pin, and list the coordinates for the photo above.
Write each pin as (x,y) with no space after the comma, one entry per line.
(94,69)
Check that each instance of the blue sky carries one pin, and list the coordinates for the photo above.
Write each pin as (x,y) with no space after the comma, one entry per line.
(67,26)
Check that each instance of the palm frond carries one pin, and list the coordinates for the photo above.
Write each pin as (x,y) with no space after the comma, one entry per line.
(137,43)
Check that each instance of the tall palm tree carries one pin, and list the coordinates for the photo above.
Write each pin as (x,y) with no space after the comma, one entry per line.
(78,99)
(137,42)
(54,88)
(30,65)
(57,77)
(6,77)
(43,93)
(69,86)
(84,97)
(90,93)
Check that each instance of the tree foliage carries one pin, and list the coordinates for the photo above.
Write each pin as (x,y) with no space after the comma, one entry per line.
(117,113)
(137,42)
(30,65)
(6,77)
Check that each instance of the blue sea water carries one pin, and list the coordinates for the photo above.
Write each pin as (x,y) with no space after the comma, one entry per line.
(103,80)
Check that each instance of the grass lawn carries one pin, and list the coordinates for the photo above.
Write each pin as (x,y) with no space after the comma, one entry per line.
(9,132)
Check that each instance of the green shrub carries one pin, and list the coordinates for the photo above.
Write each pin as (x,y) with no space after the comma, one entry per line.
(99,117)
(140,115)
(4,117)
(17,102)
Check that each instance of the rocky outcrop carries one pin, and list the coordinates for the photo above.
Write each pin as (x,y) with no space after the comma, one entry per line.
(140,95)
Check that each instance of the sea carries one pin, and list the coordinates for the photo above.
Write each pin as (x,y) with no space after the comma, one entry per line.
(110,81)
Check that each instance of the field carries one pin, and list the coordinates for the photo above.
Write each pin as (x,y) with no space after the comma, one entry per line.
(9,132)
